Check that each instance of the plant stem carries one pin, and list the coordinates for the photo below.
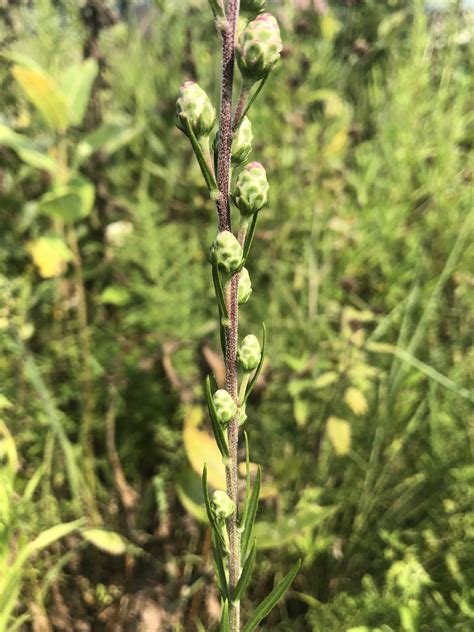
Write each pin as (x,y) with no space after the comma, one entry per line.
(231,332)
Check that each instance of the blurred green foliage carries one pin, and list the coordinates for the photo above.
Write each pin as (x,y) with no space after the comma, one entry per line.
(363,262)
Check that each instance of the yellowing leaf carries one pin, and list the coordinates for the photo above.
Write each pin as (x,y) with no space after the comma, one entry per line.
(201,448)
(339,433)
(51,255)
(356,400)
(107,541)
(43,92)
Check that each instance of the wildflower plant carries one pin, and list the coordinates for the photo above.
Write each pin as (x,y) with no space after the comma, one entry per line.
(256,51)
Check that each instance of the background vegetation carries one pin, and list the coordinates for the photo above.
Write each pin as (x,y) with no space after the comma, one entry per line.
(363,260)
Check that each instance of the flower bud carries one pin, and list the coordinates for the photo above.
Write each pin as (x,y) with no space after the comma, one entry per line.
(252,7)
(251,189)
(194,105)
(245,286)
(222,506)
(242,143)
(226,408)
(227,251)
(259,47)
(249,353)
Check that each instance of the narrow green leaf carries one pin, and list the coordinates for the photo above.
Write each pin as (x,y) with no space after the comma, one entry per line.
(247,480)
(267,605)
(225,621)
(246,575)
(219,290)
(250,513)
(249,239)
(253,381)
(207,502)
(205,169)
(218,555)
(219,435)
(252,99)
(27,150)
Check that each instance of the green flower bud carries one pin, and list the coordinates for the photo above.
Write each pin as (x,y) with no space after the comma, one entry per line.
(249,353)
(242,143)
(251,189)
(222,506)
(259,47)
(245,286)
(226,408)
(194,105)
(252,7)
(227,251)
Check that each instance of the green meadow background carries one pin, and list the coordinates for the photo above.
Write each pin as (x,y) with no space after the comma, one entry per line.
(362,269)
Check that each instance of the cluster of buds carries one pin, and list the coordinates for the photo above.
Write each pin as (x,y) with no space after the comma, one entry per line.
(226,408)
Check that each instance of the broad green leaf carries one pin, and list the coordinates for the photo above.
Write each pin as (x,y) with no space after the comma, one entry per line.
(267,605)
(69,202)
(76,85)
(51,255)
(44,93)
(107,541)
(201,448)
(189,491)
(339,433)
(26,150)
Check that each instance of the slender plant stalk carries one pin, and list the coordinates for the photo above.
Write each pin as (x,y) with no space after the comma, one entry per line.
(231,333)
(258,50)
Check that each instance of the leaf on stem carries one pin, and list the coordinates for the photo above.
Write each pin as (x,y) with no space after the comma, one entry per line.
(246,575)
(247,480)
(250,513)
(225,621)
(251,100)
(249,239)
(218,554)
(219,290)
(259,367)
(205,169)
(219,435)
(210,515)
(267,605)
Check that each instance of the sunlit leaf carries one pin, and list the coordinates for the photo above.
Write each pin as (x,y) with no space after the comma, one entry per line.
(50,255)
(200,448)
(76,85)
(339,433)
(356,400)
(107,541)
(44,93)
(26,150)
